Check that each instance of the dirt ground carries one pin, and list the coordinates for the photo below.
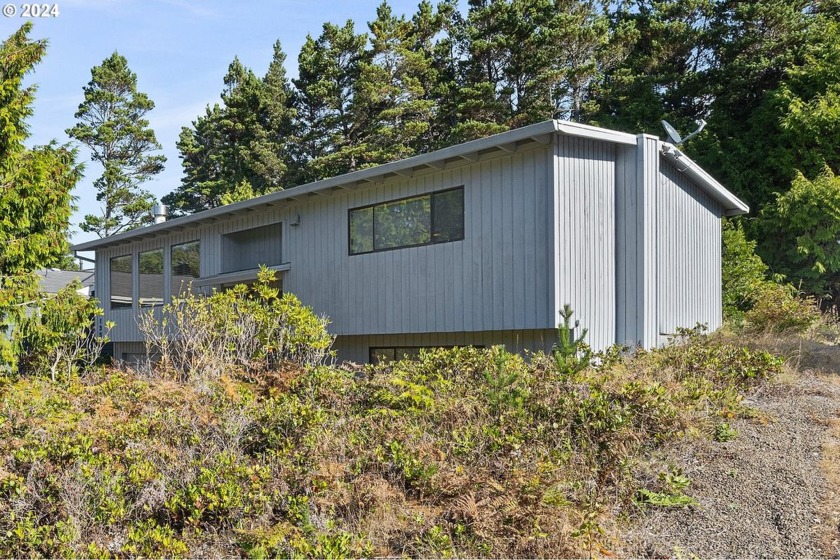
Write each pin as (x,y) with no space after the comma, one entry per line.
(772,491)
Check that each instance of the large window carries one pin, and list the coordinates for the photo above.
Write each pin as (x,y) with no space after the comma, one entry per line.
(151,278)
(409,222)
(120,273)
(185,266)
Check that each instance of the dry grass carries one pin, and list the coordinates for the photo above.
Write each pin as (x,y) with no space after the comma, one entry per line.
(829,530)
(464,453)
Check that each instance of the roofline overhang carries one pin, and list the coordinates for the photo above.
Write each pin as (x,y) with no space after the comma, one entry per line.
(505,142)
(732,205)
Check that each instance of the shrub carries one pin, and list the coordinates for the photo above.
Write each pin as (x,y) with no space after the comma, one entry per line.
(779,308)
(743,273)
(57,338)
(247,329)
(753,300)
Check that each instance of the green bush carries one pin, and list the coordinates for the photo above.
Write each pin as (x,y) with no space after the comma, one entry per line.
(743,273)
(246,329)
(56,338)
(779,308)
(752,300)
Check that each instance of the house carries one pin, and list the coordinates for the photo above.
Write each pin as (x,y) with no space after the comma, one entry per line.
(53,280)
(477,244)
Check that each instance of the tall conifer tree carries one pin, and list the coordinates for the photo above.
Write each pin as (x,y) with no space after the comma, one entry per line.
(240,148)
(328,73)
(112,124)
(35,186)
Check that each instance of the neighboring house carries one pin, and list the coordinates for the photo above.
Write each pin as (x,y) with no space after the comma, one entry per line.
(481,243)
(53,280)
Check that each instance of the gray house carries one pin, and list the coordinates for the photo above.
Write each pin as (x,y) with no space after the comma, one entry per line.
(478,244)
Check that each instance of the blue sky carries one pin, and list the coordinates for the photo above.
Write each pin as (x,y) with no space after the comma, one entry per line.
(180,51)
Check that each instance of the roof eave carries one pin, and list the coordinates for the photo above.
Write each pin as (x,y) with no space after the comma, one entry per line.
(348,180)
(732,205)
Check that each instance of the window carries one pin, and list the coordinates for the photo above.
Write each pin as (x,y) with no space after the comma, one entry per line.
(120,280)
(184,266)
(151,278)
(409,222)
(378,355)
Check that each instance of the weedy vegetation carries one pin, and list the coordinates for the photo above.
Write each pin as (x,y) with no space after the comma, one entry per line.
(273,452)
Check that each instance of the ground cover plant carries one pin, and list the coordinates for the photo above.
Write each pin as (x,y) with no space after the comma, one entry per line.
(463,452)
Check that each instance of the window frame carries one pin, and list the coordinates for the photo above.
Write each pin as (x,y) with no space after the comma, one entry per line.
(162,278)
(175,292)
(131,297)
(431,241)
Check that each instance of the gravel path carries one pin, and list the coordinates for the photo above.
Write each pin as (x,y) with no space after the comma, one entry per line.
(762,494)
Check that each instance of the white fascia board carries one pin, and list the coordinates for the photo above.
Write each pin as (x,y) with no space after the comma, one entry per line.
(732,205)
(595,133)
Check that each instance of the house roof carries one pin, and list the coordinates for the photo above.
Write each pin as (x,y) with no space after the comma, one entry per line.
(472,151)
(52,279)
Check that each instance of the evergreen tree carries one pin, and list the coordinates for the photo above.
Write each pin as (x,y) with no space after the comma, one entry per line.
(390,103)
(329,133)
(755,46)
(531,60)
(241,146)
(201,147)
(801,233)
(434,33)
(112,125)
(35,186)
(664,75)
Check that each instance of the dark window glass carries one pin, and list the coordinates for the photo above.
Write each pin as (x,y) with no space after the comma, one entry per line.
(381,355)
(401,224)
(151,278)
(185,266)
(361,230)
(120,272)
(409,222)
(448,216)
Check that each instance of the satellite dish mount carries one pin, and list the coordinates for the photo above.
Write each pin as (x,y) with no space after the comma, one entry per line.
(674,136)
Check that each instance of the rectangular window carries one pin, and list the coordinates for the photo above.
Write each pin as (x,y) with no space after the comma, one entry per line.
(151,278)
(378,355)
(408,222)
(185,266)
(120,280)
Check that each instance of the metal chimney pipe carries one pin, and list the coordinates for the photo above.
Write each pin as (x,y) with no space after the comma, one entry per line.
(159,211)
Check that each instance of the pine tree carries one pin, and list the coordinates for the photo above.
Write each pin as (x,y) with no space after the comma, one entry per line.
(433,34)
(756,44)
(201,148)
(531,60)
(241,146)
(329,134)
(664,75)
(112,125)
(390,103)
(35,186)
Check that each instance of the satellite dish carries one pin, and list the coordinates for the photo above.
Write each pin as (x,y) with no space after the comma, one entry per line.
(674,136)
(672,133)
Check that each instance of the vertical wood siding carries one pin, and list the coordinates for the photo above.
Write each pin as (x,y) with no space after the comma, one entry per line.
(585,221)
(499,277)
(689,254)
(496,278)
(636,243)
